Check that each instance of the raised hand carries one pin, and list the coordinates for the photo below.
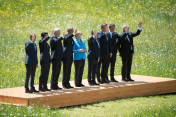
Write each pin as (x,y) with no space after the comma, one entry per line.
(140,24)
(52,32)
(76,30)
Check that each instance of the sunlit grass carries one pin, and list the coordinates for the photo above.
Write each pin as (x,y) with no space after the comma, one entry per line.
(156,106)
(155,48)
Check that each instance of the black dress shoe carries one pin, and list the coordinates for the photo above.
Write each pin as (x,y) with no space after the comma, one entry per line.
(129,79)
(69,86)
(125,80)
(65,87)
(27,91)
(58,88)
(113,80)
(91,83)
(33,90)
(48,89)
(100,81)
(105,80)
(78,85)
(95,83)
(42,89)
(53,88)
(81,85)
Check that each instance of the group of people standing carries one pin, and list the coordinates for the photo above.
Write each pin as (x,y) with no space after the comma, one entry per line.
(102,50)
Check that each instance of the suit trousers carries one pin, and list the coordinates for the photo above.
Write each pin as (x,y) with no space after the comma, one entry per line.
(67,63)
(43,79)
(56,67)
(112,61)
(79,68)
(126,66)
(104,68)
(30,72)
(92,67)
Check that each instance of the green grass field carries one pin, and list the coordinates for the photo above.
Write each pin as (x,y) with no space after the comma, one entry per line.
(155,48)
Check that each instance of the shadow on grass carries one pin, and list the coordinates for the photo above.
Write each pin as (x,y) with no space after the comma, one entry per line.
(117,99)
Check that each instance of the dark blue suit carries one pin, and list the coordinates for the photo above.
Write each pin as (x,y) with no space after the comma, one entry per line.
(56,57)
(31,61)
(93,54)
(114,39)
(68,58)
(126,50)
(105,49)
(44,62)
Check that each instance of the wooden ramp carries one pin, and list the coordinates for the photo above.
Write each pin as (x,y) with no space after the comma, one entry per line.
(143,86)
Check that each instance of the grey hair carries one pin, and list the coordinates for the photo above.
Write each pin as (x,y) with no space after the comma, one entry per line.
(56,29)
(125,26)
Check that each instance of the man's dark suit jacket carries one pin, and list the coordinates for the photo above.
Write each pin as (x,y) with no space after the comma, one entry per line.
(105,47)
(56,48)
(68,46)
(113,40)
(44,50)
(31,53)
(125,45)
(94,50)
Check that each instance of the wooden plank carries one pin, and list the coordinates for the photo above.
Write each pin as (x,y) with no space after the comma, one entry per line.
(14,100)
(143,86)
(106,94)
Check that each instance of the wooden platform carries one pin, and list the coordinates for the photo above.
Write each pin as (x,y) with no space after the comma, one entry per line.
(143,86)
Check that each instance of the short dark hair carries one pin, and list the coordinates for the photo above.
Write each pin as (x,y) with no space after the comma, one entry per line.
(111,25)
(43,34)
(104,24)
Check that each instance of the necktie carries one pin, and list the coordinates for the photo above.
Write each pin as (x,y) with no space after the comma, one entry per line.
(35,46)
(129,41)
(106,38)
(98,43)
(128,38)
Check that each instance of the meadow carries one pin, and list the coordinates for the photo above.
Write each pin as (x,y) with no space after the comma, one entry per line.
(155,48)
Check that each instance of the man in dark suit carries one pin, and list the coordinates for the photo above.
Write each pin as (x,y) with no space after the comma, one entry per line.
(31,63)
(105,53)
(68,57)
(56,57)
(113,38)
(44,61)
(93,57)
(126,51)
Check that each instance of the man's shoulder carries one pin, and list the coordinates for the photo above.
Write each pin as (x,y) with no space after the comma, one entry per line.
(54,36)
(28,42)
(129,33)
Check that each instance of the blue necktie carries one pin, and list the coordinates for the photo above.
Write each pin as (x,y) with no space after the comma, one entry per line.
(106,38)
(128,38)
